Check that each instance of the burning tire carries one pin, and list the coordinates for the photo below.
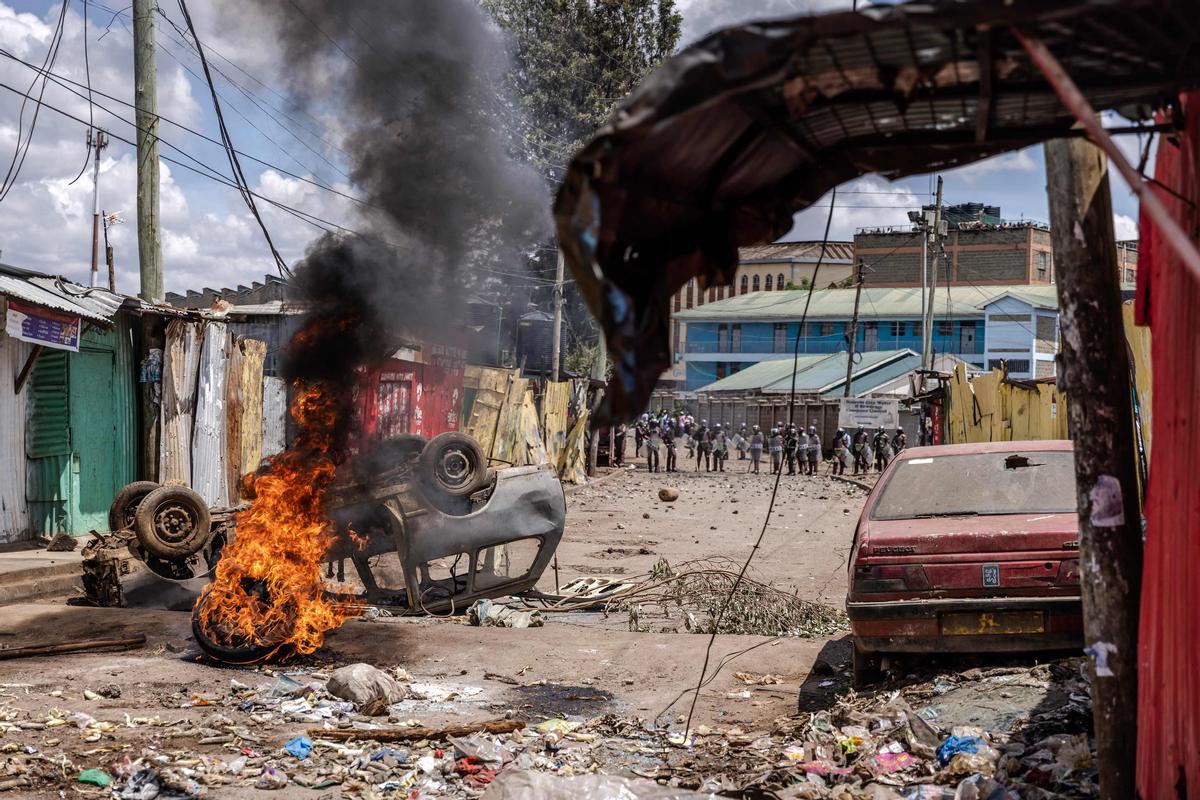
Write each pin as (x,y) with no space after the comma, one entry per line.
(453,465)
(233,649)
(172,522)
(125,504)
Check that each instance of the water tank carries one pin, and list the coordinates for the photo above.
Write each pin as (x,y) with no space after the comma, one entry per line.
(535,341)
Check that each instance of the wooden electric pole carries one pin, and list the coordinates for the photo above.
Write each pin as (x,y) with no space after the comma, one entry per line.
(853,331)
(145,96)
(558,301)
(145,99)
(1094,378)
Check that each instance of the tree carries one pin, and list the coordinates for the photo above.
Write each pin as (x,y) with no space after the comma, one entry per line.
(574,60)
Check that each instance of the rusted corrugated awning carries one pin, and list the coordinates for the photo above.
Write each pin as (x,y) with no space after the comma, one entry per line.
(725,142)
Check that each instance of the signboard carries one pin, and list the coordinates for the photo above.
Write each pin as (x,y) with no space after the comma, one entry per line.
(42,326)
(869,412)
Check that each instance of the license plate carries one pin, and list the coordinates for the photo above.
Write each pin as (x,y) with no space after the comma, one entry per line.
(991,574)
(988,624)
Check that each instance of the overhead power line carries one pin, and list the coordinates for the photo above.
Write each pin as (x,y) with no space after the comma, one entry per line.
(266,107)
(23,143)
(234,164)
(87,71)
(204,171)
(67,83)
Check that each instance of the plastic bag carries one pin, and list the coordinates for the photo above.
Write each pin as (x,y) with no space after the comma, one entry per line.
(523,785)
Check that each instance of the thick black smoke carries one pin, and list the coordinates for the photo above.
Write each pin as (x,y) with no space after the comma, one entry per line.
(416,87)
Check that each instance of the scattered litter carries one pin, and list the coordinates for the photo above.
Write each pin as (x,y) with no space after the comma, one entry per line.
(362,683)
(299,747)
(958,744)
(757,680)
(271,777)
(522,785)
(96,777)
(489,614)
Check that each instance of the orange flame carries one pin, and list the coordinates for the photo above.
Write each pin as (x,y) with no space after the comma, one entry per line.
(267,588)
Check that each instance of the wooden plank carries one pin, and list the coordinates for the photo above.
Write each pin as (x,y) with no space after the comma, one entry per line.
(254,353)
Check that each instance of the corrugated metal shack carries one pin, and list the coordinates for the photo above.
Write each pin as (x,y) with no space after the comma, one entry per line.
(78,383)
(67,404)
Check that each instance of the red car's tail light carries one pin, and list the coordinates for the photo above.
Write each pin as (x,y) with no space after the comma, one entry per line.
(889,578)
(1068,571)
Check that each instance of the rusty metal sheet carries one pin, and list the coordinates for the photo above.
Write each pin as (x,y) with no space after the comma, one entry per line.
(274,416)
(253,353)
(181,365)
(14,514)
(722,145)
(209,435)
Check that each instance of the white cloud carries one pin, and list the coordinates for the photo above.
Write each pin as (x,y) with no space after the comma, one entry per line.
(973,175)
(1126,227)
(208,235)
(867,202)
(704,16)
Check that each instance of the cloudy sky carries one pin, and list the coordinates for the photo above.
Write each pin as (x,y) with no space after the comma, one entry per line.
(209,239)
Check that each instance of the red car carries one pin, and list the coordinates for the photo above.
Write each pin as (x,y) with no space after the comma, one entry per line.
(967,548)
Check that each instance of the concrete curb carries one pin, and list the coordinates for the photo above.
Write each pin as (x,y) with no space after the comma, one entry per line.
(49,582)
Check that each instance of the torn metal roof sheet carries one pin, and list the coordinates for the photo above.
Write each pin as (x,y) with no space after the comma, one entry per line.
(60,294)
(724,143)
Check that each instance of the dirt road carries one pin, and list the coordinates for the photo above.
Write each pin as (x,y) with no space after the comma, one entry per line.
(578,664)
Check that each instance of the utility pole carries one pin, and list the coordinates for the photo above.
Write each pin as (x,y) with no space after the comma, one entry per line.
(97,142)
(145,100)
(558,301)
(1094,376)
(935,237)
(108,253)
(145,96)
(853,332)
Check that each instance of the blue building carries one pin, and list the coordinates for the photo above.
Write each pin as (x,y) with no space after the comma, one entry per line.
(719,339)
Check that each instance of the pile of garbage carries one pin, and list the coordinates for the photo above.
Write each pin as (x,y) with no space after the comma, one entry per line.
(354,731)
(912,743)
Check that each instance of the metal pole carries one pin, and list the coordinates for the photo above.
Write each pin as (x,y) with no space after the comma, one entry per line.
(97,142)
(853,332)
(145,96)
(558,300)
(927,356)
(924,286)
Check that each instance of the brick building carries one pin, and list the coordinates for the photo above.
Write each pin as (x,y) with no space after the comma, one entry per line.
(976,254)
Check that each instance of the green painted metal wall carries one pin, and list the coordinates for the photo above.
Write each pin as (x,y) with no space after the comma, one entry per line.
(82,437)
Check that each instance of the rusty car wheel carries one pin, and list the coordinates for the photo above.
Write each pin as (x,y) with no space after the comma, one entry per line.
(453,464)
(172,522)
(125,504)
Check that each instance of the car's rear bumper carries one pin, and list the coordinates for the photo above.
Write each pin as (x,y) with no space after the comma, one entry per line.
(924,626)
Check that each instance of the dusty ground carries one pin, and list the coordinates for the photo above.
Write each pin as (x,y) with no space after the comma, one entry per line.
(579,664)
(576,664)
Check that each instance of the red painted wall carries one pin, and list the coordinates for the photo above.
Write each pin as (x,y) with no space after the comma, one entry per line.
(399,396)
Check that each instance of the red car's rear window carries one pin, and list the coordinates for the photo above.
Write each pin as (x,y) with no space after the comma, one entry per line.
(1032,482)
